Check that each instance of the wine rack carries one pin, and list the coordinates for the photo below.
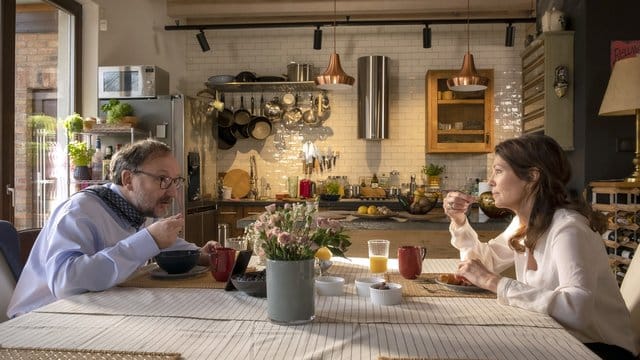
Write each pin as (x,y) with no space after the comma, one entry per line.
(620,203)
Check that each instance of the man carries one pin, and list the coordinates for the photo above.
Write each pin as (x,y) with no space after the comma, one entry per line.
(96,239)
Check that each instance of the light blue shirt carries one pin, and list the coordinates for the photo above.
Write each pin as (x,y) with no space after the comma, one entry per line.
(84,246)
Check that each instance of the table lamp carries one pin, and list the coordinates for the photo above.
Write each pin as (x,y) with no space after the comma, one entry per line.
(623,98)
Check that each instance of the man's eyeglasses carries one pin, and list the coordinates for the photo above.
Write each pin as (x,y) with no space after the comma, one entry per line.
(165,181)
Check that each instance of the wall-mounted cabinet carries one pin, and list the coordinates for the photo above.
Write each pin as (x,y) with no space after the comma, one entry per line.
(458,122)
(548,87)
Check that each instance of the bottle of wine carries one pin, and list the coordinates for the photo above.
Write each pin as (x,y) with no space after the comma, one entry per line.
(106,163)
(96,162)
(374,181)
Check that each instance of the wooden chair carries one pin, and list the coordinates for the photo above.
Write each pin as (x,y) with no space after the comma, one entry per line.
(10,265)
(630,290)
(27,238)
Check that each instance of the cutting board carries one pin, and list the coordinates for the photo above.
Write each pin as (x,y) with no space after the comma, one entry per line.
(238,180)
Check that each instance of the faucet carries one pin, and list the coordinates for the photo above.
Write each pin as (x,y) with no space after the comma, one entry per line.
(253,178)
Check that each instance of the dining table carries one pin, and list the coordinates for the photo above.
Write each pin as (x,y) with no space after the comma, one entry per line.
(195,318)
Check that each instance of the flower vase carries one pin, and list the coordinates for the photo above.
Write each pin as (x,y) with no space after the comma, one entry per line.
(290,291)
(81,173)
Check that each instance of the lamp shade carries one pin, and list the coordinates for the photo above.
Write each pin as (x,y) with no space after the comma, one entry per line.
(623,92)
(334,78)
(468,78)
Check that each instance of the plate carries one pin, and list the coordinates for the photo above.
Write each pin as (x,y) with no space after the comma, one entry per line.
(367,216)
(161,274)
(461,288)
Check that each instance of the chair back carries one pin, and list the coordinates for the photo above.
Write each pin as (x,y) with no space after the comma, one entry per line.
(630,290)
(10,265)
(27,238)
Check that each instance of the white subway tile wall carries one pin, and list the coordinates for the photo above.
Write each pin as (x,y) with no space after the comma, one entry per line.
(268,51)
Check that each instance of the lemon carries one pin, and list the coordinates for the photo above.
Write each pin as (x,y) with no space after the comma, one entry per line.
(362,209)
(372,210)
(323,253)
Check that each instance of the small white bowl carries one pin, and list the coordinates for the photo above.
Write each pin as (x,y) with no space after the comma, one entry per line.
(362,285)
(330,285)
(391,296)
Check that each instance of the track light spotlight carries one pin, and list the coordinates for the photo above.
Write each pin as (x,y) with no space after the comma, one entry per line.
(426,37)
(509,35)
(317,38)
(202,40)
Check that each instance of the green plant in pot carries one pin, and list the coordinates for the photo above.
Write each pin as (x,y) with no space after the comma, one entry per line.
(117,111)
(80,155)
(331,191)
(73,123)
(433,173)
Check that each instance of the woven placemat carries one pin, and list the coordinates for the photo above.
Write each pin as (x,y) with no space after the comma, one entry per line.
(425,286)
(25,353)
(143,279)
(413,358)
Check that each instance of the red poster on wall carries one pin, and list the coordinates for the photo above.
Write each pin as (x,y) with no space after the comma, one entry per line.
(622,49)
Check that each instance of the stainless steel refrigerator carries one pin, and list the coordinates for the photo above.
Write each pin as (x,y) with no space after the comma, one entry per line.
(181,122)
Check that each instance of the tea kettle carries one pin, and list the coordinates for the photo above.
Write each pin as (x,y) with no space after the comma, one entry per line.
(553,20)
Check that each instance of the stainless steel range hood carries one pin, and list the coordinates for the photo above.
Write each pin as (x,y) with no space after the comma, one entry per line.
(373,97)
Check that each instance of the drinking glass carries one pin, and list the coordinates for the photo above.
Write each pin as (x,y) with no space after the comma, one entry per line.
(378,255)
(292,186)
(236,243)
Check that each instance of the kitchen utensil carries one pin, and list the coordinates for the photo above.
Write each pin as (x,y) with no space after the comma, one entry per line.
(273,110)
(299,72)
(322,108)
(242,116)
(246,76)
(310,116)
(260,127)
(238,180)
(293,115)
(225,117)
(226,139)
(220,79)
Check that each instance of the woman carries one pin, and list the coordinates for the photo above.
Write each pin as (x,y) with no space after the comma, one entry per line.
(561,264)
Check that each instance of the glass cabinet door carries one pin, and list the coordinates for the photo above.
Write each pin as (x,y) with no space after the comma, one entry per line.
(458,121)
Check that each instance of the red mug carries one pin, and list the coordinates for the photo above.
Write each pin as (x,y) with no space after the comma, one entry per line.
(222,260)
(410,261)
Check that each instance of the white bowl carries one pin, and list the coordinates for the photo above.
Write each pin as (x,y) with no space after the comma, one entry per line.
(362,285)
(391,296)
(330,285)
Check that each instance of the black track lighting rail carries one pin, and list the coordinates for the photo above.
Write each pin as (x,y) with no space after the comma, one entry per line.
(347,22)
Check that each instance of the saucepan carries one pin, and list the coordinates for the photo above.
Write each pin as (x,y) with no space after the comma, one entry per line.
(260,126)
(299,72)
(273,110)
(226,140)
(225,117)
(242,116)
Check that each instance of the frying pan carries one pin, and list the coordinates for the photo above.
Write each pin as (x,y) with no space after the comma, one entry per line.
(260,127)
(242,116)
(226,140)
(225,117)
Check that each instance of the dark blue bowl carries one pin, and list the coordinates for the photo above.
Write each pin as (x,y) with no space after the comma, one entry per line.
(177,261)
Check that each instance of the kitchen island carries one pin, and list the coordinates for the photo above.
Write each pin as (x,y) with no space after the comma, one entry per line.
(430,231)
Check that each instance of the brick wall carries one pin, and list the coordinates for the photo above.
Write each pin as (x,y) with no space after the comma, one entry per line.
(267,52)
(36,61)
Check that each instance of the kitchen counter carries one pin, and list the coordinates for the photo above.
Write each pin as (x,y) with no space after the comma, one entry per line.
(342,204)
(434,220)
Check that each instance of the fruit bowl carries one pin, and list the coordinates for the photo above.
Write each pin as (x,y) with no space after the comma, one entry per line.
(419,205)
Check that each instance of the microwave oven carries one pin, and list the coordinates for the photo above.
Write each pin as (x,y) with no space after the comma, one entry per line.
(132,81)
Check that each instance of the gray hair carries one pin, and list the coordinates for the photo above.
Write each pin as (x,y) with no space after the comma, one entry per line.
(132,156)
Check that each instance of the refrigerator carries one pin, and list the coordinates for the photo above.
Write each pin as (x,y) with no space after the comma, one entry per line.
(181,122)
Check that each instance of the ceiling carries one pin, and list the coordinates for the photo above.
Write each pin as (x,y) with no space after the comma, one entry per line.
(260,11)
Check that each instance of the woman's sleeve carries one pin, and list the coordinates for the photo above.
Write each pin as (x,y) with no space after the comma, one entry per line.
(494,254)
(570,302)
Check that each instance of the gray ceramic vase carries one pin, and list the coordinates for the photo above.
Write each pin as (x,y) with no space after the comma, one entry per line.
(290,291)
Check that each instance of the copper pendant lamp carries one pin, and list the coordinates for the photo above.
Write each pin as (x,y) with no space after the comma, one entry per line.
(334,78)
(468,79)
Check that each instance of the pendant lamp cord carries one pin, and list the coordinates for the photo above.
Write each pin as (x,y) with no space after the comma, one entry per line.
(335,20)
(468,34)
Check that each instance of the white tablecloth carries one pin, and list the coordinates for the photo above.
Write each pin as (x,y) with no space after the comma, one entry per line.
(214,324)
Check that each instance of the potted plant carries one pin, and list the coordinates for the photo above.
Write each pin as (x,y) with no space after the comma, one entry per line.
(331,191)
(118,112)
(80,155)
(73,123)
(433,172)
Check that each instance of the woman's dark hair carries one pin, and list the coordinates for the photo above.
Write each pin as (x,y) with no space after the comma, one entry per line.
(541,153)
(131,157)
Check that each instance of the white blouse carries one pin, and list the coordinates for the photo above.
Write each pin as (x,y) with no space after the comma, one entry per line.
(573,282)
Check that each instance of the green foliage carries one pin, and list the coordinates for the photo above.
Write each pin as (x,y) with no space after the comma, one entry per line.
(80,153)
(332,188)
(116,110)
(73,123)
(43,122)
(433,169)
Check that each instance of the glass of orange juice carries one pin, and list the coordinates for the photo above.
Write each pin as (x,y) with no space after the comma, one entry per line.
(378,255)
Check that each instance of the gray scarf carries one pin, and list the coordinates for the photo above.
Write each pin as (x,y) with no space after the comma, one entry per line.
(118,204)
